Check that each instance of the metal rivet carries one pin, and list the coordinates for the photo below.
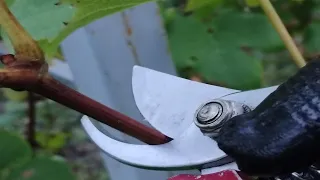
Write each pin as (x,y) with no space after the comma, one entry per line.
(211,116)
(209,112)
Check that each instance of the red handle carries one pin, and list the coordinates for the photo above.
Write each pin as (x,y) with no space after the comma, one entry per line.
(223,175)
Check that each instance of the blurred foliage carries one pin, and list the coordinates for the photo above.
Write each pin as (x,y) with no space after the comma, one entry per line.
(18,163)
(50,21)
(233,44)
(14,95)
(59,136)
(223,42)
(216,53)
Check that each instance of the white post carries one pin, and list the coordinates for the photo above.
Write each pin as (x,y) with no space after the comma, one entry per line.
(101,57)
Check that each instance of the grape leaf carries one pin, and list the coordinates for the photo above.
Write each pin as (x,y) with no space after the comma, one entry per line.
(197,4)
(246,29)
(42,19)
(50,21)
(13,151)
(41,168)
(194,47)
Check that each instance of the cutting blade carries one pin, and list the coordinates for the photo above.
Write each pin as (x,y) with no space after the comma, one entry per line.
(169,102)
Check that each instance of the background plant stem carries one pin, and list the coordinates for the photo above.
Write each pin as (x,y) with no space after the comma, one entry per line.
(30,127)
(282,31)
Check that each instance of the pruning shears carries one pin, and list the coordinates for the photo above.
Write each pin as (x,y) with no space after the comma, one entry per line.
(190,112)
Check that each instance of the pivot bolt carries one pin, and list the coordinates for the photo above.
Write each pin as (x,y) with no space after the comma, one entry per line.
(209,112)
(212,115)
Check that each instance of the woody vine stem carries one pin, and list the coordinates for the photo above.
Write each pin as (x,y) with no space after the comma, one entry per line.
(27,70)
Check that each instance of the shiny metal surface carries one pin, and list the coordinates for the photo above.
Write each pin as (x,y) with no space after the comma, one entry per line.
(208,112)
(211,115)
(169,102)
(192,150)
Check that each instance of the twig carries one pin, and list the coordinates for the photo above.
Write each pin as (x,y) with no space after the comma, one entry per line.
(27,77)
(282,31)
(64,95)
(30,128)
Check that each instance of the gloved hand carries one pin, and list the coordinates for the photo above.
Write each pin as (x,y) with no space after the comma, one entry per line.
(282,134)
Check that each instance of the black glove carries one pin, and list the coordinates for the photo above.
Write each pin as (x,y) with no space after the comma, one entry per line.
(282,134)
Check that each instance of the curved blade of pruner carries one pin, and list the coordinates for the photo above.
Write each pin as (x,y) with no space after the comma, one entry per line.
(250,98)
(190,150)
(166,100)
(171,101)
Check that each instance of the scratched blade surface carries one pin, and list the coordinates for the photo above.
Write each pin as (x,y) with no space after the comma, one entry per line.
(168,102)
(191,150)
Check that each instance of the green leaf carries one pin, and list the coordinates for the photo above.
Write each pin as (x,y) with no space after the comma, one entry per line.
(198,4)
(312,38)
(193,47)
(252,3)
(246,29)
(50,21)
(52,142)
(14,95)
(168,15)
(58,141)
(14,150)
(42,138)
(42,19)
(42,168)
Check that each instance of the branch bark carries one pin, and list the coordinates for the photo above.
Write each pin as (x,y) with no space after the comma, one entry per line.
(27,70)
(29,76)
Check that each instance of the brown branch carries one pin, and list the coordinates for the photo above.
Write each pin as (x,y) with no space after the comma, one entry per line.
(27,70)
(29,77)
(62,94)
(30,128)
